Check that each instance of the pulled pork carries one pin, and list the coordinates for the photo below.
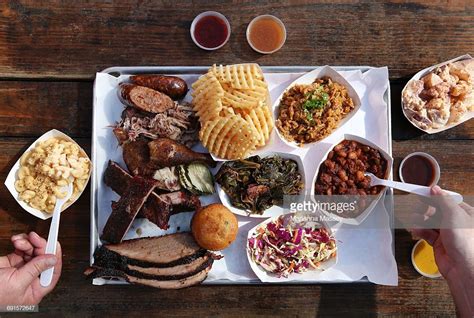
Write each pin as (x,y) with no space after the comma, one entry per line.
(178,123)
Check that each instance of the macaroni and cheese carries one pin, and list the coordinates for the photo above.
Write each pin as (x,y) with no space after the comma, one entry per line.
(49,166)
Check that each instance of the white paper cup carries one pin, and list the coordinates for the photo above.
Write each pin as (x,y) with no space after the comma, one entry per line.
(438,275)
(266,16)
(206,14)
(437,169)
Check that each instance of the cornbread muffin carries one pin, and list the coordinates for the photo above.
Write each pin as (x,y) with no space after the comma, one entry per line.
(214,227)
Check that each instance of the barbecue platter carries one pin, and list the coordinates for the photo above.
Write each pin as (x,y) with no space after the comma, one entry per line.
(193,158)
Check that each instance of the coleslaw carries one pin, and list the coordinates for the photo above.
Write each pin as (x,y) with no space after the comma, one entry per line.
(283,249)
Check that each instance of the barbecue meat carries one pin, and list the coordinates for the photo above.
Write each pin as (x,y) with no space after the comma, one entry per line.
(118,179)
(163,284)
(165,152)
(144,158)
(188,268)
(158,208)
(136,156)
(170,261)
(144,98)
(178,123)
(173,86)
(126,209)
(182,270)
(162,251)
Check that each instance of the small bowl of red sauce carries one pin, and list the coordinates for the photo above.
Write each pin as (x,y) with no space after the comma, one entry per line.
(419,168)
(210,30)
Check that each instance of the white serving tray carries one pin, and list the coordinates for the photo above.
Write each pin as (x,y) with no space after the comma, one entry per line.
(195,71)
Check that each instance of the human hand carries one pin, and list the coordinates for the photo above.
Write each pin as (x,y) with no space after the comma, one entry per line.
(19,270)
(453,246)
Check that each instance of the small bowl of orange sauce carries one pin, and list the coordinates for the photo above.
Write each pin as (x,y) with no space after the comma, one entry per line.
(423,259)
(266,34)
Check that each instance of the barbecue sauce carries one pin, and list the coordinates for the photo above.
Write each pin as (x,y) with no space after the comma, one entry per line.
(266,34)
(211,31)
(418,170)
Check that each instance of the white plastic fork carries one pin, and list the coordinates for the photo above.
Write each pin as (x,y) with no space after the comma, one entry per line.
(47,276)
(412,188)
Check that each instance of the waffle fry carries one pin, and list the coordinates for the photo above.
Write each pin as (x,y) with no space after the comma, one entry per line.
(232,105)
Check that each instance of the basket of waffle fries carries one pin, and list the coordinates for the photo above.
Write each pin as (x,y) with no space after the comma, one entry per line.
(232,103)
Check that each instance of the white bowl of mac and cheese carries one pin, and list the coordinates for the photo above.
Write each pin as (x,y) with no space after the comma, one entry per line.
(50,163)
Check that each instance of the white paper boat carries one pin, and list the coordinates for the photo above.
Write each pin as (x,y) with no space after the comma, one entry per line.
(420,74)
(268,104)
(309,276)
(274,210)
(308,78)
(362,216)
(11,178)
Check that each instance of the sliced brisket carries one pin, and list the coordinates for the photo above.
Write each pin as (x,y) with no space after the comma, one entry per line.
(163,251)
(95,272)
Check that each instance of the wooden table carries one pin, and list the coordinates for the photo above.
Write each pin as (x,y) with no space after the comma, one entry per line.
(49,54)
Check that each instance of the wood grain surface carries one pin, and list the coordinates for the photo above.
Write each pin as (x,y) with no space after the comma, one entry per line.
(50,51)
(74,39)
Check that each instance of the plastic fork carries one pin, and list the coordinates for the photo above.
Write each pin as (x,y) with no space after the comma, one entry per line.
(47,276)
(411,188)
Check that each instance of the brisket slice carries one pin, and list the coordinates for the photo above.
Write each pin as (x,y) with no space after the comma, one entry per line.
(195,279)
(184,269)
(163,251)
(106,258)
(161,273)
(158,208)
(126,209)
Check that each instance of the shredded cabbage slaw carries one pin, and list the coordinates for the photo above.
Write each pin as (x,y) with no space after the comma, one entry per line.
(285,249)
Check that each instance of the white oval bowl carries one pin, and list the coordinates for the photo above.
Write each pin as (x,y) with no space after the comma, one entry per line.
(308,78)
(273,211)
(362,216)
(309,276)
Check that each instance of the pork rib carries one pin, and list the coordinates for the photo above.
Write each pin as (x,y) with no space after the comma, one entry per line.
(118,179)
(158,208)
(126,209)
